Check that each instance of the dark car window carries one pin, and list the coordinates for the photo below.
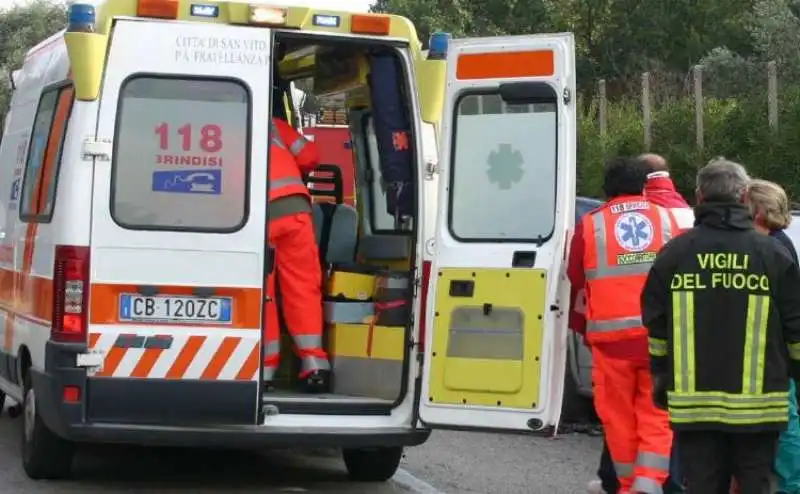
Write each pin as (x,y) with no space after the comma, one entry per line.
(583,205)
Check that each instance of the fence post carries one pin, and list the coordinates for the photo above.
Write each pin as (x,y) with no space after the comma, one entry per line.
(647,118)
(697,73)
(602,114)
(772,94)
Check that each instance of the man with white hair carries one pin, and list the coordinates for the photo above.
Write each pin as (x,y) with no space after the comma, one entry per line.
(721,305)
(659,189)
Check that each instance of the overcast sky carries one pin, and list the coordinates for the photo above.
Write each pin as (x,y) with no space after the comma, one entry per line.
(352,5)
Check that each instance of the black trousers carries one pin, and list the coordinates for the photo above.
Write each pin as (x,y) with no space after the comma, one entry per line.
(710,458)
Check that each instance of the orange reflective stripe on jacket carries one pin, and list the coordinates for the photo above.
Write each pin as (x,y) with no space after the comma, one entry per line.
(622,240)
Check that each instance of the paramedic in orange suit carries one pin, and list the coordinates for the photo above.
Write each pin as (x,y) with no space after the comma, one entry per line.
(305,152)
(611,253)
(291,234)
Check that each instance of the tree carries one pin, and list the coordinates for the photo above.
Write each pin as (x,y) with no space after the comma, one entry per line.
(470,17)
(615,38)
(22,27)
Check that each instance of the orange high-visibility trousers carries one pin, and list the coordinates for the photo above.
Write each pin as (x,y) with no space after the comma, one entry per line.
(300,278)
(638,434)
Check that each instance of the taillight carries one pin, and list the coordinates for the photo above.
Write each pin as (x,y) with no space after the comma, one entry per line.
(423,304)
(70,294)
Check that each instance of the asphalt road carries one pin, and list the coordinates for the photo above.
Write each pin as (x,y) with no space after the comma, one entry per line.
(477,463)
(154,470)
(451,462)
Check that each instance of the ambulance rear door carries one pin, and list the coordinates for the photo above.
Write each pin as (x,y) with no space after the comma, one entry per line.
(495,353)
(179,224)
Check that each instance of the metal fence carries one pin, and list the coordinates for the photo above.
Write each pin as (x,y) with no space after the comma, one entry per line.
(654,88)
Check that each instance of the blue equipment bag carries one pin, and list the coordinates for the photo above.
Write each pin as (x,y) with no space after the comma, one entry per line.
(393,133)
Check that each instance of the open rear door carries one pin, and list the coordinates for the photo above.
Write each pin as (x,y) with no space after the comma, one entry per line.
(496,354)
(178,225)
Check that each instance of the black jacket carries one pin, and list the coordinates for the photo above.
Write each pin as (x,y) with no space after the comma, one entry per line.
(784,239)
(722,308)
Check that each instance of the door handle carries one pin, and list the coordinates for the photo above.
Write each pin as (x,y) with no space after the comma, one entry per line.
(523,259)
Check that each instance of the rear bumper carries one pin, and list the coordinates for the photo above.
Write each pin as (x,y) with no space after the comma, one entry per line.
(178,413)
(66,421)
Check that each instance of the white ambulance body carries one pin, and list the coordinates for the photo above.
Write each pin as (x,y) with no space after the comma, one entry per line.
(132,316)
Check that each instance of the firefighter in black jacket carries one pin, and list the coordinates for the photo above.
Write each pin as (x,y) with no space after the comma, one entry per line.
(722,308)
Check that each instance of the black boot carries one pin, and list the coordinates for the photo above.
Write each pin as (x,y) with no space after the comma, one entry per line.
(317,381)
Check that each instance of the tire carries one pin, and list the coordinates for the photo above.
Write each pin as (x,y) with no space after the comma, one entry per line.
(372,465)
(45,456)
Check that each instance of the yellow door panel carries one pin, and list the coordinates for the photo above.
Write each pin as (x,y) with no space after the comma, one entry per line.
(487,337)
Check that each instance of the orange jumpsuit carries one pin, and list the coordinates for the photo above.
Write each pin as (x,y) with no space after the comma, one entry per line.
(611,253)
(291,234)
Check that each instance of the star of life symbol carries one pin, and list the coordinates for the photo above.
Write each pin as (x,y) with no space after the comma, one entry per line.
(505,166)
(634,232)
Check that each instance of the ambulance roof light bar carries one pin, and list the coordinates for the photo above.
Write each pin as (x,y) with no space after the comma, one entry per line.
(437,46)
(268,16)
(159,9)
(375,24)
(81,18)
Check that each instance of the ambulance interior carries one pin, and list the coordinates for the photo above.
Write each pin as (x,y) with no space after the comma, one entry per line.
(367,250)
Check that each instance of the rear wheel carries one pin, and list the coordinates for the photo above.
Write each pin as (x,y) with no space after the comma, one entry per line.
(44,454)
(372,465)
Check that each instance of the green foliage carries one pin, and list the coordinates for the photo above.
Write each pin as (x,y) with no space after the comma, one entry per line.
(615,38)
(22,27)
(736,129)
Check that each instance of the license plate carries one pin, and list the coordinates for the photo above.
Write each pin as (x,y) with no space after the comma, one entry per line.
(170,309)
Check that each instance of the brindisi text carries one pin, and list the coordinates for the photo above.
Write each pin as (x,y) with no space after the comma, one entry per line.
(197,151)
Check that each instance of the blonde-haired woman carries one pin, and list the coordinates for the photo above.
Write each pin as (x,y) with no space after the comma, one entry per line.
(769,207)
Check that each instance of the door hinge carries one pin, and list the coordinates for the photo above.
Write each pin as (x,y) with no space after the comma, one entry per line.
(567,96)
(431,169)
(99,149)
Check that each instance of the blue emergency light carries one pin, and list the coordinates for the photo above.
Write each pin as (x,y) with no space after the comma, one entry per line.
(437,46)
(81,18)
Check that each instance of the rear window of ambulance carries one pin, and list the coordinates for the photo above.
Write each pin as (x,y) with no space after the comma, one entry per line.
(181,156)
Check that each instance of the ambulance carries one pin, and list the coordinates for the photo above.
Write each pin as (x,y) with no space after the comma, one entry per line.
(134,179)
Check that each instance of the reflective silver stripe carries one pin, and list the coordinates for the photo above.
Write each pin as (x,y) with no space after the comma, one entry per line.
(755,345)
(794,351)
(645,485)
(603,269)
(726,400)
(276,135)
(308,341)
(310,363)
(277,142)
(268,373)
(349,312)
(297,146)
(272,348)
(291,204)
(285,182)
(652,460)
(745,417)
(666,224)
(683,341)
(657,347)
(614,324)
(623,469)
